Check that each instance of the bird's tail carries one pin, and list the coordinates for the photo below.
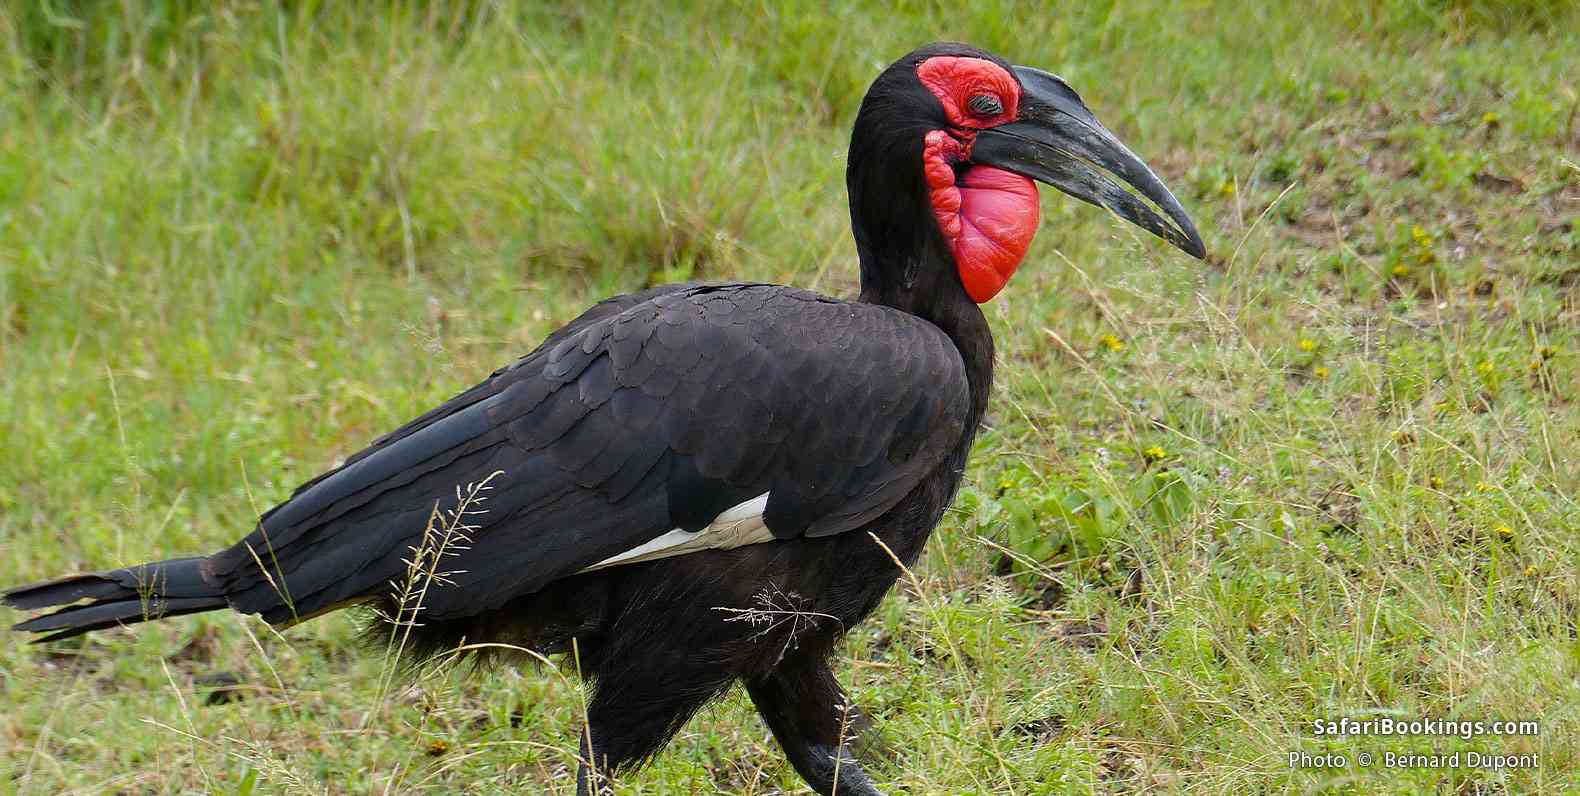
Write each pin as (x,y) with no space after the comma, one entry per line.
(119,597)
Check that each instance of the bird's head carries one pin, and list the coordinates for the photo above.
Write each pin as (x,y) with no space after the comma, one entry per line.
(953,137)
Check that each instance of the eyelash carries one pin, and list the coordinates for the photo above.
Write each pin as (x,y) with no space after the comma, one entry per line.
(985,105)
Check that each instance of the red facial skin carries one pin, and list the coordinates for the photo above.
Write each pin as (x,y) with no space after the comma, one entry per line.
(987,215)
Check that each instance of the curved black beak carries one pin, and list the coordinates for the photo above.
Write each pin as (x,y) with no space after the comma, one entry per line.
(1056,140)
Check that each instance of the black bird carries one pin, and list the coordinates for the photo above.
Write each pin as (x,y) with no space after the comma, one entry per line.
(697,447)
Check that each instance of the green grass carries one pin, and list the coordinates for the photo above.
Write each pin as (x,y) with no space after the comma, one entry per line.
(1330,473)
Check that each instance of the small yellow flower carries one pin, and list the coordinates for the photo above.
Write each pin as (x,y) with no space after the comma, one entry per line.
(1436,482)
(1400,271)
(1111,342)
(1227,188)
(1504,532)
(1420,235)
(1320,372)
(1530,571)
(1154,453)
(1546,352)
(1307,344)
(437,746)
(1485,368)
(1491,118)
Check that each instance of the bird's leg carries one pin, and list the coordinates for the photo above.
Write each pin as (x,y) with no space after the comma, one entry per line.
(592,775)
(812,718)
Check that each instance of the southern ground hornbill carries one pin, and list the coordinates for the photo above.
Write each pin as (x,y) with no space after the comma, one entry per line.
(697,446)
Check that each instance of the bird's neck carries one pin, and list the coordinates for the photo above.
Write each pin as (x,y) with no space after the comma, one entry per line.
(905,261)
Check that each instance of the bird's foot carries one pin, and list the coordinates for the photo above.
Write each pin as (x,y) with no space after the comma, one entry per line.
(836,772)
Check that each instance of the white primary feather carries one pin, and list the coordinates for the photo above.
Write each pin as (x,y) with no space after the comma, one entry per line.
(738,525)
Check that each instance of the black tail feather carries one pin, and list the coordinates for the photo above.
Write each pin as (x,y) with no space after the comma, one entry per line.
(120,596)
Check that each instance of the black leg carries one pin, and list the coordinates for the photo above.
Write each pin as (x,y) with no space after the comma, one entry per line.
(812,718)
(591,780)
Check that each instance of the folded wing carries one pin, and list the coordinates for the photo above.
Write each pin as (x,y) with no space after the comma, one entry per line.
(650,415)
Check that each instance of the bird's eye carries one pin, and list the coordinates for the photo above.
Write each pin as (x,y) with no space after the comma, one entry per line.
(985,105)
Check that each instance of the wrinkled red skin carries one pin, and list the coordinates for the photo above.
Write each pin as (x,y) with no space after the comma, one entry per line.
(987,215)
(954,80)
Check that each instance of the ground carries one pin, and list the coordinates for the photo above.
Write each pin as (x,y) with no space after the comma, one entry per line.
(1327,474)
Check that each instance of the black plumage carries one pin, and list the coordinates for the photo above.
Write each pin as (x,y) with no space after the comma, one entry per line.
(603,444)
(651,412)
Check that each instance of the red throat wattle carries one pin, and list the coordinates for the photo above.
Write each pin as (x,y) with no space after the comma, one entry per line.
(987,215)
